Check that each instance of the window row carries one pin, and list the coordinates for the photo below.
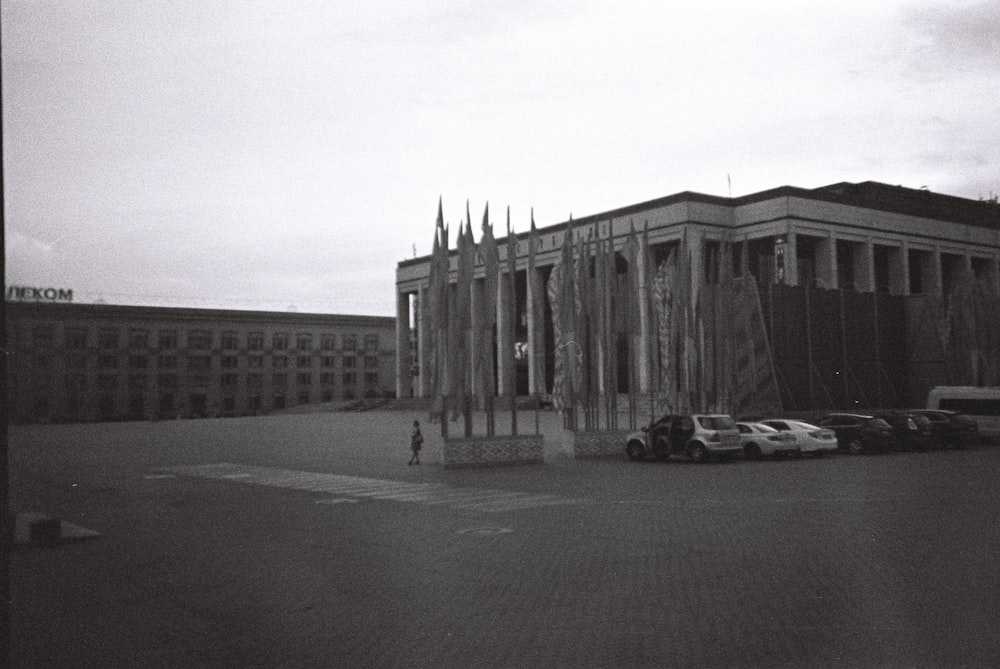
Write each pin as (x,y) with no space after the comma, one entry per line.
(78,382)
(77,338)
(42,361)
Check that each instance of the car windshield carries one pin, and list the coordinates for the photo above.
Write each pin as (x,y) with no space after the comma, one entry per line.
(717,422)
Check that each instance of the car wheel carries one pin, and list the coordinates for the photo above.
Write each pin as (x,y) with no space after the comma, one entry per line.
(697,453)
(634,450)
(752,452)
(855,447)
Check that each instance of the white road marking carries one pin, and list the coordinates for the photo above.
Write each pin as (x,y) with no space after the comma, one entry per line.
(487,500)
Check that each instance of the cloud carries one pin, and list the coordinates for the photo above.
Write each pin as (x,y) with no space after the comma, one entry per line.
(955,37)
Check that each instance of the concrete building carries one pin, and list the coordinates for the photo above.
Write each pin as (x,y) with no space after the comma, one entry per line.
(84,362)
(866,237)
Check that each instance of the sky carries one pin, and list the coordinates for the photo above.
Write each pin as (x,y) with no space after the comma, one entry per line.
(287,154)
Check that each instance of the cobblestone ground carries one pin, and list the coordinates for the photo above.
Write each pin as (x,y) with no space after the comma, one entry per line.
(306,541)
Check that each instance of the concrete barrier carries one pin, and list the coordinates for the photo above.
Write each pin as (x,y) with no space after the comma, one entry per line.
(597,444)
(526,449)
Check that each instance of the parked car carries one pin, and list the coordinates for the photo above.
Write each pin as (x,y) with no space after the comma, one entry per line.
(913,432)
(981,403)
(812,439)
(954,429)
(760,441)
(698,436)
(859,433)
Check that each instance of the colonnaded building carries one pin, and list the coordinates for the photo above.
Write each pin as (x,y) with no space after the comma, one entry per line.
(868,293)
(85,362)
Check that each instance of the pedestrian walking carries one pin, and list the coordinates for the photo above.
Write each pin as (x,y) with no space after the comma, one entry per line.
(416,440)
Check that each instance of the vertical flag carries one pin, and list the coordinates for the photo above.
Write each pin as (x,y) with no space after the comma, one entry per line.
(488,315)
(512,323)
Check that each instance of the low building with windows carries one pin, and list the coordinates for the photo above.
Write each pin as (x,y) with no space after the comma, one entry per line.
(86,362)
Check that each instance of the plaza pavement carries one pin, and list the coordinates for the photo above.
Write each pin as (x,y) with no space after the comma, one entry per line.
(306,541)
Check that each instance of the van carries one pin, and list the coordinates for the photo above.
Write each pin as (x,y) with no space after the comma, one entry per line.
(982,403)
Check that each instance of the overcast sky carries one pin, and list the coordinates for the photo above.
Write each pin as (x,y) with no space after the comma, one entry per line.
(259,155)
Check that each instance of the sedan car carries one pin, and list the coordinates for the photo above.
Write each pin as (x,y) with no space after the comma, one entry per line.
(760,441)
(816,441)
(859,433)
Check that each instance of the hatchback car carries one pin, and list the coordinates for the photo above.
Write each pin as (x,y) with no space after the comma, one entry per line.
(859,433)
(698,436)
(954,429)
(814,440)
(914,432)
(760,441)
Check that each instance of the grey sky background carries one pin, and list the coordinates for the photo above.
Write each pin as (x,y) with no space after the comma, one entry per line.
(255,154)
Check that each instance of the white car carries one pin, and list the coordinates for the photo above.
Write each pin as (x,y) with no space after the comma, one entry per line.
(816,441)
(759,441)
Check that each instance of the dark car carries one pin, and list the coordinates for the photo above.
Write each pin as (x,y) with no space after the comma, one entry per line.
(859,433)
(954,429)
(914,432)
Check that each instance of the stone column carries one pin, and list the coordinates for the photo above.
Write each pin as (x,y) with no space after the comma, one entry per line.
(864,267)
(791,258)
(404,386)
(899,269)
(935,282)
(478,390)
(424,357)
(505,334)
(826,261)
(535,337)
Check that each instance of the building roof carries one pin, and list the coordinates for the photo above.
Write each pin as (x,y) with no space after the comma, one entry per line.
(67,311)
(866,194)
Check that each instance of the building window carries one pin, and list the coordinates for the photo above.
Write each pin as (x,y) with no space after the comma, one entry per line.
(279,342)
(303,378)
(255,341)
(199,340)
(303,398)
(326,378)
(280,362)
(228,380)
(138,361)
(350,378)
(371,343)
(76,339)
(230,362)
(350,362)
(168,361)
(200,363)
(279,402)
(255,361)
(107,361)
(108,339)
(280,379)
(138,338)
(350,342)
(167,340)
(228,404)
(230,341)
(107,381)
(303,361)
(76,361)
(137,381)
(304,342)
(166,382)
(371,362)
(255,381)
(166,405)
(328,342)
(327,361)
(326,395)
(255,403)
(42,335)
(198,381)
(371,378)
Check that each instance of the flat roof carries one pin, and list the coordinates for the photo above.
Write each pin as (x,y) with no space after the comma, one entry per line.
(867,194)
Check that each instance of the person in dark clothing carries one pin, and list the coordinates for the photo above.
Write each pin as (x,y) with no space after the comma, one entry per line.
(416,440)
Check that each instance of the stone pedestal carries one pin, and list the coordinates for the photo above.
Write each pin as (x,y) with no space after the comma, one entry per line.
(598,444)
(522,449)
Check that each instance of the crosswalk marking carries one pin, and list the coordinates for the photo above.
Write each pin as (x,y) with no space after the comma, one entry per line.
(433,494)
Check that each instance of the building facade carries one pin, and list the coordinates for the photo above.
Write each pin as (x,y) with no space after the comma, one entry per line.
(86,362)
(867,238)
